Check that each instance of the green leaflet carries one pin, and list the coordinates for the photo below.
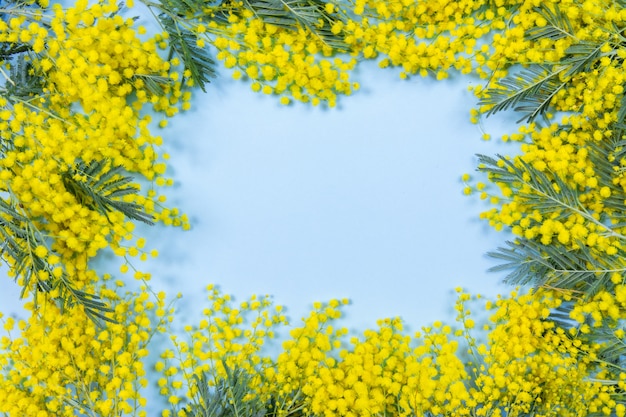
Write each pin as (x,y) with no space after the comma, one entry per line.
(182,43)
(292,14)
(102,188)
(227,398)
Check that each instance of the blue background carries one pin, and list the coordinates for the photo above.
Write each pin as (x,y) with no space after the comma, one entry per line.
(362,201)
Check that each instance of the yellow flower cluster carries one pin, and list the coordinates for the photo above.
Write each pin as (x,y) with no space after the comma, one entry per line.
(601,318)
(524,363)
(94,69)
(529,362)
(228,337)
(563,154)
(61,363)
(585,60)
(309,351)
(99,80)
(288,63)
(604,308)
(431,37)
(383,373)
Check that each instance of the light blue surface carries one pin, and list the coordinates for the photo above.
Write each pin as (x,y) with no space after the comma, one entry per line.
(307,204)
(363,201)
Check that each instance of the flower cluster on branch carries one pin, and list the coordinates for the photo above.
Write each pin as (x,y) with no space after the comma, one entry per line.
(84,89)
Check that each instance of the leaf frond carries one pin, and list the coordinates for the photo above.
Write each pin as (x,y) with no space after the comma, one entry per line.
(621,115)
(581,57)
(229,397)
(561,315)
(605,156)
(544,191)
(99,187)
(558,25)
(529,92)
(69,296)
(555,266)
(548,193)
(154,83)
(292,14)
(182,42)
(22,82)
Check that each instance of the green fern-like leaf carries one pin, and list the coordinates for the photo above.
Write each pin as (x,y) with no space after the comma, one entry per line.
(182,43)
(561,315)
(581,57)
(558,25)
(605,157)
(621,114)
(548,194)
(102,188)
(292,14)
(612,348)
(95,309)
(556,266)
(175,17)
(14,230)
(8,50)
(228,398)
(154,83)
(528,92)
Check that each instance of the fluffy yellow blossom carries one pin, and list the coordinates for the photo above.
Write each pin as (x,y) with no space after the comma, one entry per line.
(77,138)
(66,363)
(522,362)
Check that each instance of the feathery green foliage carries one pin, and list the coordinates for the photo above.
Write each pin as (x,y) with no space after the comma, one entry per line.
(547,193)
(528,92)
(154,83)
(21,81)
(98,186)
(555,266)
(531,90)
(182,43)
(9,50)
(605,156)
(176,17)
(293,14)
(558,25)
(229,398)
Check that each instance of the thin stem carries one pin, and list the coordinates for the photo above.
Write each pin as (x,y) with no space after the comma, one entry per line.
(7,77)
(23,12)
